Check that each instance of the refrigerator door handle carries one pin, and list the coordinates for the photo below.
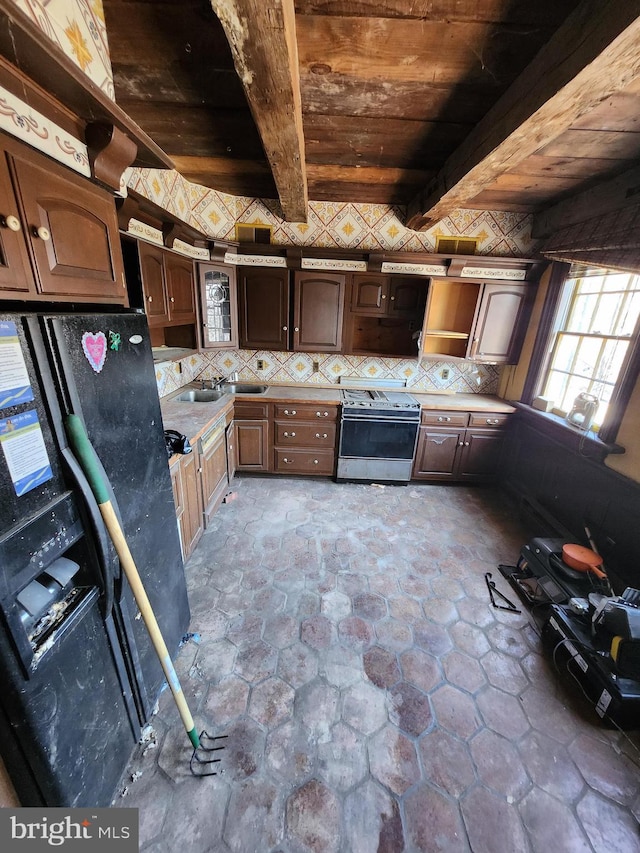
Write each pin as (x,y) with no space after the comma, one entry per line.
(101,538)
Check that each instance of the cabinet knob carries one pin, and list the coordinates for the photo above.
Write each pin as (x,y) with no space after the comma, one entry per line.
(285,328)
(43,233)
(287,461)
(296,329)
(461,444)
(493,420)
(290,435)
(384,296)
(172,299)
(149,298)
(12,223)
(322,414)
(392,298)
(466,444)
(315,461)
(324,435)
(292,412)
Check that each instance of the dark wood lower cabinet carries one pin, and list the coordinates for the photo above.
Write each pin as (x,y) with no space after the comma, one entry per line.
(468,447)
(251,436)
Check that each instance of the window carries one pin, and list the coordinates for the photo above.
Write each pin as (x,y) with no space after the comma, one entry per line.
(589,343)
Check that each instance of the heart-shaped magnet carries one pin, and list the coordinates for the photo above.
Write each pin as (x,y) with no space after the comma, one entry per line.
(94,345)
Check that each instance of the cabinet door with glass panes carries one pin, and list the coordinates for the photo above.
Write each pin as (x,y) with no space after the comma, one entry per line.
(219,306)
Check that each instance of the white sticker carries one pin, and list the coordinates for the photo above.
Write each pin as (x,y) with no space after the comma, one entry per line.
(15,386)
(577,657)
(603,703)
(25,451)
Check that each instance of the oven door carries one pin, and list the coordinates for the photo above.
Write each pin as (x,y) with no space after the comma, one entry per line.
(370,438)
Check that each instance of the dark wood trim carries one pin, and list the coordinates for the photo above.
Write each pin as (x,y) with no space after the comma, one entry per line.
(136,206)
(27,47)
(559,272)
(110,152)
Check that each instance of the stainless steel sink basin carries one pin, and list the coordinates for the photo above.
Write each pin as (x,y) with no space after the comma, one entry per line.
(204,395)
(244,388)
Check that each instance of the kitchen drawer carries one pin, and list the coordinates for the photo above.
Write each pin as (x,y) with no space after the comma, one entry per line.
(488,419)
(247,410)
(306,412)
(305,434)
(438,418)
(295,461)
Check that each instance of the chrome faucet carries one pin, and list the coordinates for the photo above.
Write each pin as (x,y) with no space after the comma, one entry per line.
(214,383)
(233,377)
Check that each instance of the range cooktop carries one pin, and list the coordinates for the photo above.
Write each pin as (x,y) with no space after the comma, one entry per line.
(373,399)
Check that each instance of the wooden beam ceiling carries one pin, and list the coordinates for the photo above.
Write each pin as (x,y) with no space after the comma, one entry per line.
(263,42)
(592,56)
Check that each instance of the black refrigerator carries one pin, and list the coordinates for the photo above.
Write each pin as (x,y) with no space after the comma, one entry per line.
(79,676)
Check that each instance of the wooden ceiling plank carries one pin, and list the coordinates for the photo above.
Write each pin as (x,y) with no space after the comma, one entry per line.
(263,43)
(591,56)
(615,194)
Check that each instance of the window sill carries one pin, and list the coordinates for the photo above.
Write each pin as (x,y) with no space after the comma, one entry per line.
(586,444)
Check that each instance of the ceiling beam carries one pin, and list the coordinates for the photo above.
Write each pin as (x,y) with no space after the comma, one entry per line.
(594,54)
(613,195)
(263,42)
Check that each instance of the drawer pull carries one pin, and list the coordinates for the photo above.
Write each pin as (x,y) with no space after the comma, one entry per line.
(324,435)
(289,435)
(42,232)
(287,461)
(444,419)
(322,414)
(12,223)
(466,444)
(290,413)
(461,444)
(315,461)
(493,420)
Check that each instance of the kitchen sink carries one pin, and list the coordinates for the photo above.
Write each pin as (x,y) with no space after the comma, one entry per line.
(244,388)
(203,395)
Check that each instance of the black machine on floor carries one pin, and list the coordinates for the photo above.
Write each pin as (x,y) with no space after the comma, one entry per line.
(592,634)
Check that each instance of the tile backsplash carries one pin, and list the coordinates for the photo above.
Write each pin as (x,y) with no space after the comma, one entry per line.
(323,369)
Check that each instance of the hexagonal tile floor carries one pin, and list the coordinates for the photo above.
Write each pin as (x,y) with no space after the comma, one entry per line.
(374,701)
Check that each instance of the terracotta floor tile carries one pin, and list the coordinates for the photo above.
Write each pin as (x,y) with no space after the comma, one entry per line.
(372,698)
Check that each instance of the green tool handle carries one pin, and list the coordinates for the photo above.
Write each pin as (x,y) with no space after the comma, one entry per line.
(87,457)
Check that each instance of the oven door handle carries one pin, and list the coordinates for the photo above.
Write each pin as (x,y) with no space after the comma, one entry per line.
(377,420)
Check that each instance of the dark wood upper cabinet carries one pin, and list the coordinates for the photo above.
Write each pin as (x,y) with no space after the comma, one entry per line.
(156,304)
(67,227)
(180,288)
(167,286)
(407,297)
(218,300)
(263,308)
(369,294)
(318,301)
(498,330)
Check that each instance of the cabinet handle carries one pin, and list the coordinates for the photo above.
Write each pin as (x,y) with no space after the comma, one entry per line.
(172,299)
(296,329)
(324,435)
(384,296)
(285,328)
(290,435)
(315,461)
(493,420)
(443,419)
(12,223)
(322,414)
(149,298)
(466,444)
(42,232)
(290,413)
(392,298)
(461,444)
(287,461)
(474,348)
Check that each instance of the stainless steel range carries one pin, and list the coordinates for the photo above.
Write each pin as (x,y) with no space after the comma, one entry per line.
(378,434)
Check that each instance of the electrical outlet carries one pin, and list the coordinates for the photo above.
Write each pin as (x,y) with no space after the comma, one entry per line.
(260,364)
(444,373)
(316,366)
